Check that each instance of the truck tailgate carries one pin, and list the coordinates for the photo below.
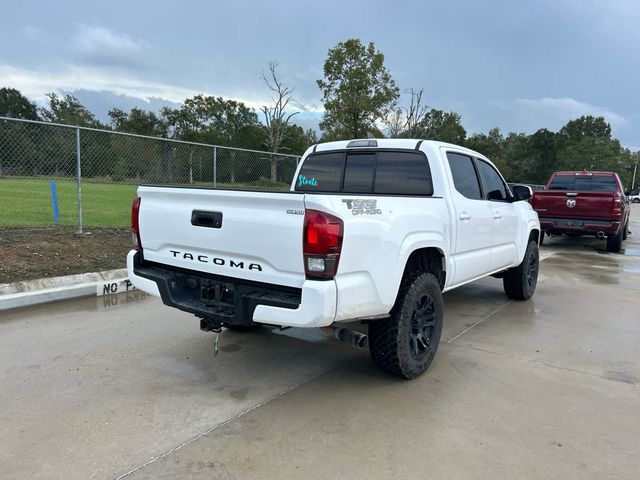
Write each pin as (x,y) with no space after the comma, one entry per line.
(562,204)
(249,235)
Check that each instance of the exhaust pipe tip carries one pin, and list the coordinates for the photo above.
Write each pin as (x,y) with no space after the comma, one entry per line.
(600,234)
(350,337)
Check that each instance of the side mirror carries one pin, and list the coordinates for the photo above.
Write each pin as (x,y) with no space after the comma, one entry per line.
(496,195)
(521,192)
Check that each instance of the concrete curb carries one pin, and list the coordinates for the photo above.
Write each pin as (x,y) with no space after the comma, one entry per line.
(45,290)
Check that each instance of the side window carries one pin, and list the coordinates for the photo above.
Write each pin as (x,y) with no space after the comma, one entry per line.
(358,172)
(321,172)
(464,175)
(495,189)
(403,173)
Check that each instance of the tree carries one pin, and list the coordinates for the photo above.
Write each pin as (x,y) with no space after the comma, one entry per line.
(440,125)
(492,146)
(14,104)
(586,143)
(540,157)
(586,126)
(311,138)
(68,110)
(214,120)
(405,122)
(357,89)
(138,121)
(276,117)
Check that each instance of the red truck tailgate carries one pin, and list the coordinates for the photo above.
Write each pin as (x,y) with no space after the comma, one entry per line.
(561,204)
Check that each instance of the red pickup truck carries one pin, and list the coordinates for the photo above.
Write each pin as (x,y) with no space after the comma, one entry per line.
(584,203)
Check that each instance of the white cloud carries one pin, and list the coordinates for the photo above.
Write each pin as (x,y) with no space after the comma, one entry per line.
(93,39)
(555,112)
(36,83)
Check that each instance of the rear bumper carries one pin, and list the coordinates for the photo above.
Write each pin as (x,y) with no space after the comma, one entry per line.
(231,301)
(579,226)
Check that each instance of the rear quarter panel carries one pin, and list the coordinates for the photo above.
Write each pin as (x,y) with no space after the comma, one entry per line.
(377,243)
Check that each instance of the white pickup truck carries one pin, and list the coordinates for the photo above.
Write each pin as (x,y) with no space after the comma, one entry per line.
(371,231)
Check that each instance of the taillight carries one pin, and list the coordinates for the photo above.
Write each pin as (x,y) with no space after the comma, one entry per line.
(135,226)
(617,206)
(322,242)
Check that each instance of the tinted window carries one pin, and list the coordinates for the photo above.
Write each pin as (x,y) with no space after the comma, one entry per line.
(464,175)
(590,183)
(494,186)
(358,172)
(321,173)
(404,173)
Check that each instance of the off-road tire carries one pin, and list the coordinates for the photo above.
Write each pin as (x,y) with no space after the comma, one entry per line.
(614,243)
(520,282)
(404,344)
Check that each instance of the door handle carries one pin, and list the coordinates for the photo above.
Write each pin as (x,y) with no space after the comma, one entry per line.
(464,216)
(497,215)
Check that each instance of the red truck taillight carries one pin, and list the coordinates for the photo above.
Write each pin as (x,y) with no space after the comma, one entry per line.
(135,226)
(616,209)
(321,244)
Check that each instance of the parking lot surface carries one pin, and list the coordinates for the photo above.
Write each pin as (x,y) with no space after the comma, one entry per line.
(123,387)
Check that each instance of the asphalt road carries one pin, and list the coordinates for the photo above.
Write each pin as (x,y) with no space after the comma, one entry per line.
(123,387)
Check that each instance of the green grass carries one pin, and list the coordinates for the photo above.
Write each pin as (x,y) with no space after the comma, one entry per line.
(26,202)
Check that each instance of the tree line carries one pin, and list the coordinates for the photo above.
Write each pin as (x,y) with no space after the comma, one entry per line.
(360,98)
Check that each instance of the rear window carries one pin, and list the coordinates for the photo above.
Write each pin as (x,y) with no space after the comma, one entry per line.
(588,183)
(382,171)
(358,172)
(403,172)
(321,173)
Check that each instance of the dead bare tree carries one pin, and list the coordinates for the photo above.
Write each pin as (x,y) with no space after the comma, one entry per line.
(406,122)
(415,113)
(275,116)
(395,123)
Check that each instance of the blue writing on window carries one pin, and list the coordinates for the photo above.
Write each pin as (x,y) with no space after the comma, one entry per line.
(302,180)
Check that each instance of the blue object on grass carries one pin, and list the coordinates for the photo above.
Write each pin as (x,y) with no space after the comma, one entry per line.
(54,201)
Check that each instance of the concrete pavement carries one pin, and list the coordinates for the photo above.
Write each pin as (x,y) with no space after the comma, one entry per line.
(123,386)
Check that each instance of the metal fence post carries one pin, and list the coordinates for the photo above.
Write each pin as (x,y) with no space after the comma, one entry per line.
(215,166)
(78,180)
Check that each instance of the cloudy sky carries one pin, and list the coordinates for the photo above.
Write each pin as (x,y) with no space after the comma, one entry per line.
(518,65)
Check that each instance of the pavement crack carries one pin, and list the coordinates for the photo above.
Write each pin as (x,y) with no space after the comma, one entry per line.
(541,363)
(479,321)
(482,350)
(238,416)
(583,372)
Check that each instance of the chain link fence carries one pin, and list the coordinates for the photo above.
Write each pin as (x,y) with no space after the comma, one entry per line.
(60,174)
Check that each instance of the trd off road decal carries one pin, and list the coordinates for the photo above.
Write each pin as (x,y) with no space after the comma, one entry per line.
(363,206)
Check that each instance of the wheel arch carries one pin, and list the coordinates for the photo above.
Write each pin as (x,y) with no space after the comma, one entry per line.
(533,232)
(426,259)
